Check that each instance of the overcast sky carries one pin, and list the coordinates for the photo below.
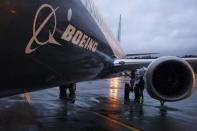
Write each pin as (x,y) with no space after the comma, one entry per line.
(165,26)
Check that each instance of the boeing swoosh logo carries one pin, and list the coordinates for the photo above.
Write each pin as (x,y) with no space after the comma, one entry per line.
(70,35)
(51,39)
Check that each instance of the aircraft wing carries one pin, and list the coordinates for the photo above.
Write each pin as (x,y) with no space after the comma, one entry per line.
(132,64)
(193,63)
(142,54)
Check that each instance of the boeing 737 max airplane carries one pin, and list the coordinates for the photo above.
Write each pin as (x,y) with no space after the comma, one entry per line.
(47,43)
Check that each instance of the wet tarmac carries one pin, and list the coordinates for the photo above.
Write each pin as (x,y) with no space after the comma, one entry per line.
(98,106)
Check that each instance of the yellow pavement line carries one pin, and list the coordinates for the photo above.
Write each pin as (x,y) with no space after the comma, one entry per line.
(115,121)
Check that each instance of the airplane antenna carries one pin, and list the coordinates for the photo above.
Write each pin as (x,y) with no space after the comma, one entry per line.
(119,28)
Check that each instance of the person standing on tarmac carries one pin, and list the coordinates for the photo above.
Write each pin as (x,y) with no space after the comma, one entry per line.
(126,92)
(138,90)
(130,88)
(136,85)
(132,81)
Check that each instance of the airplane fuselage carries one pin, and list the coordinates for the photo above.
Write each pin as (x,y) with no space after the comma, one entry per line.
(51,42)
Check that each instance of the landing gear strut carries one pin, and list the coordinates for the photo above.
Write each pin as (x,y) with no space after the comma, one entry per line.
(162,108)
(63,90)
(162,102)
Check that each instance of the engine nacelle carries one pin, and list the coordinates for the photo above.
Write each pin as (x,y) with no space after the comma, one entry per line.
(170,79)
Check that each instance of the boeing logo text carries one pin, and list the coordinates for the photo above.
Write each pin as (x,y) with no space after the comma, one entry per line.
(71,34)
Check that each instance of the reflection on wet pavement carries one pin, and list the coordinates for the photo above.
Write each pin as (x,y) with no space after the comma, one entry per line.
(113,104)
(114,87)
(99,105)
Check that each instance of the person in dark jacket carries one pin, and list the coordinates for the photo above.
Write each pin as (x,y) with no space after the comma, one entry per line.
(138,90)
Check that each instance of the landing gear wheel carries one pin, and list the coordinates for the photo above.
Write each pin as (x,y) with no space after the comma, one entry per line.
(126,91)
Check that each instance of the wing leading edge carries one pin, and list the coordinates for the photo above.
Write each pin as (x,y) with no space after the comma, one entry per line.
(133,64)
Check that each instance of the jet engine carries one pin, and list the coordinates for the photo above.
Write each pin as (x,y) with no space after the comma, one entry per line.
(169,79)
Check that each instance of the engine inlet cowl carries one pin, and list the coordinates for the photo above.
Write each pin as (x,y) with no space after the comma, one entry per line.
(170,79)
